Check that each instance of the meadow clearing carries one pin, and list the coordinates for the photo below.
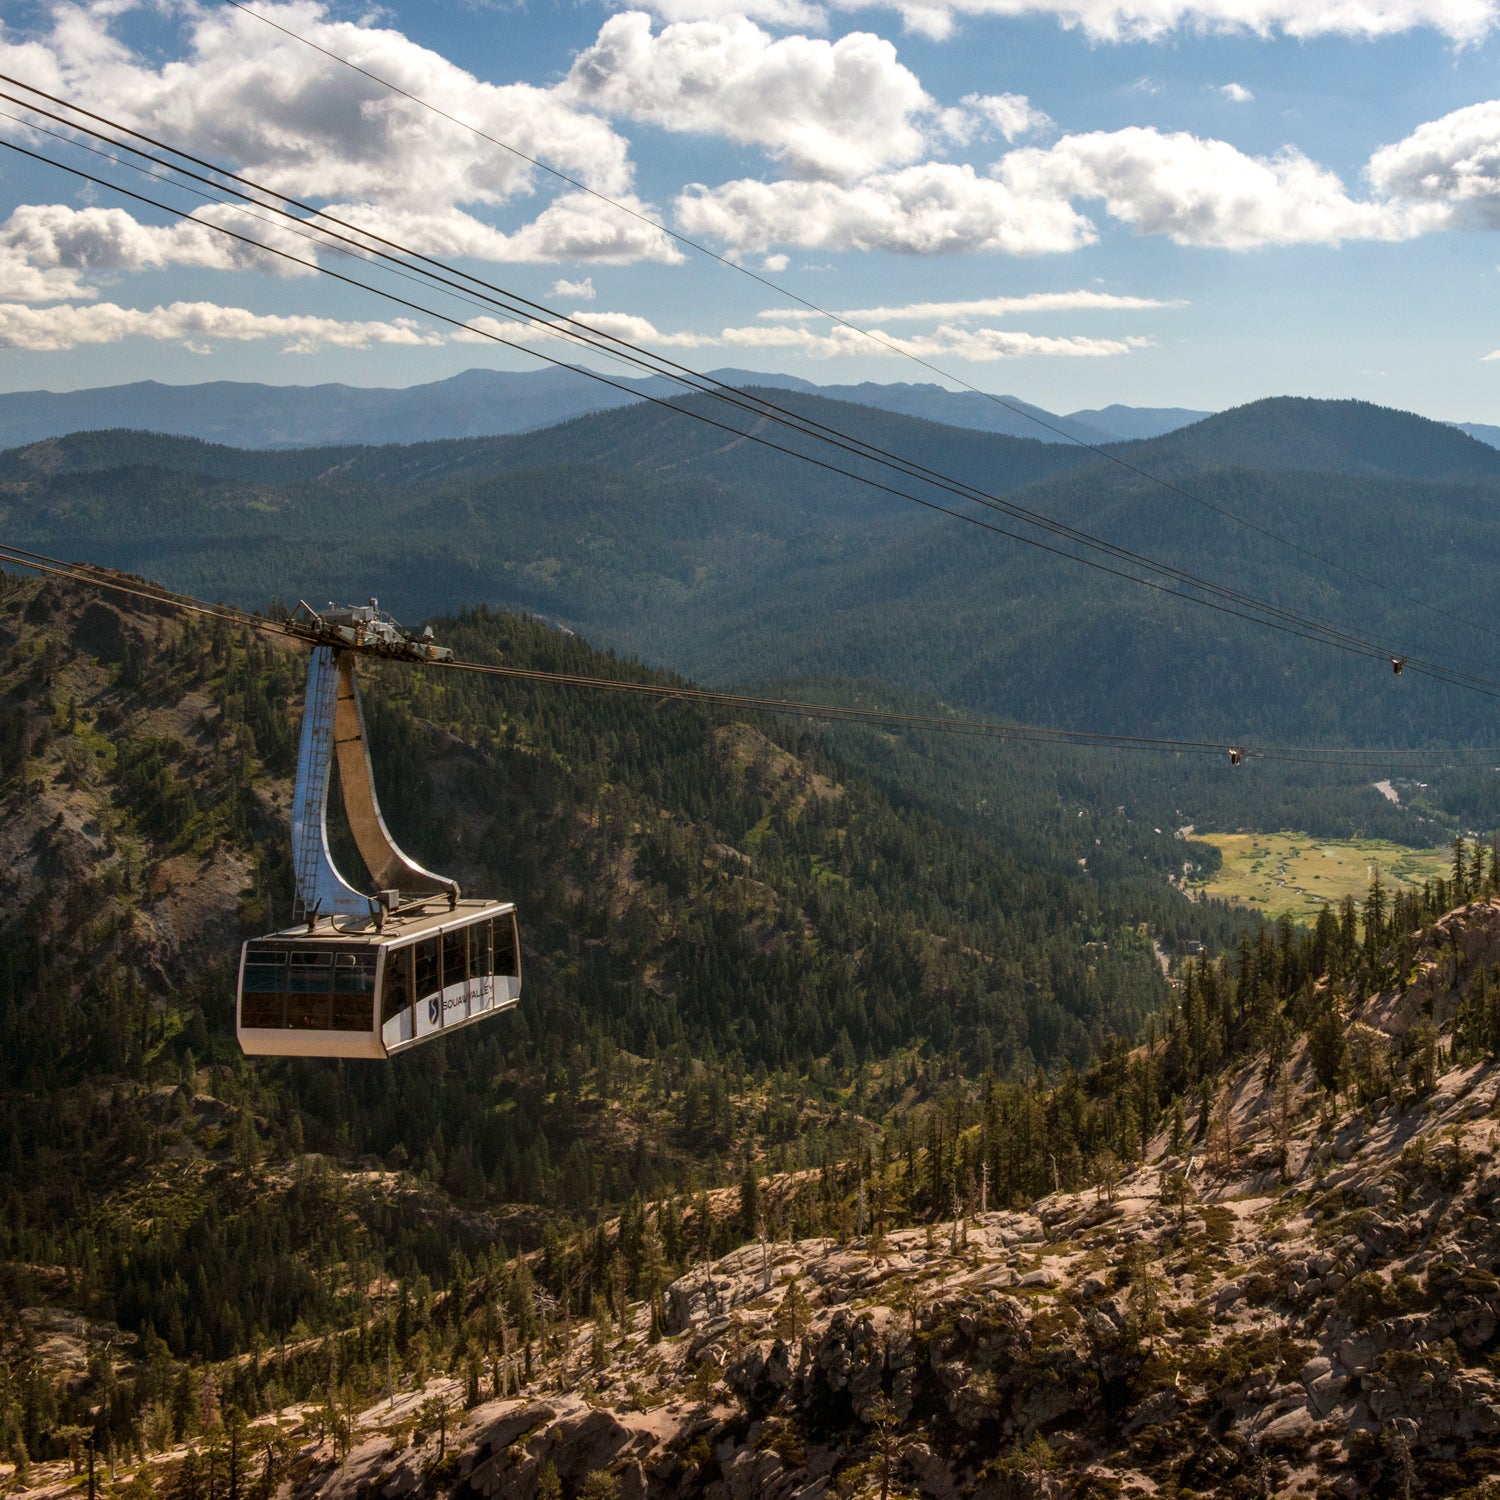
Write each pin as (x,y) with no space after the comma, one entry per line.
(1297,874)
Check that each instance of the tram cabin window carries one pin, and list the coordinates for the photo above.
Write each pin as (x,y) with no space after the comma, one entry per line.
(308,989)
(396,991)
(481,950)
(425,959)
(505,958)
(455,957)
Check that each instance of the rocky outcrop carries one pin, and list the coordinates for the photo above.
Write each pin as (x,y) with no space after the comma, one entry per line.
(1333,1334)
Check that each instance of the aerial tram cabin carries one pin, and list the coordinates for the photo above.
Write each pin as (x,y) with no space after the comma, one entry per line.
(361,975)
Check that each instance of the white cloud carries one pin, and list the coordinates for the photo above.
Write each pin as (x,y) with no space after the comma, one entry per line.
(1011,115)
(785,15)
(26,283)
(1236,93)
(1463,21)
(287,115)
(578,227)
(825,109)
(1194,191)
(981,307)
(936,208)
(981,344)
(1451,166)
(775,264)
(582,290)
(281,113)
(628,327)
(1205,192)
(193,324)
(52,251)
(573,227)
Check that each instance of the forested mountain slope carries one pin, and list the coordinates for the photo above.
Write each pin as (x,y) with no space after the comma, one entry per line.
(1262,1259)
(732,944)
(703,551)
(987,623)
(1336,437)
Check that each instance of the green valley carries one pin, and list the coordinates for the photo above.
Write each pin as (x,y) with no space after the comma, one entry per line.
(1296,875)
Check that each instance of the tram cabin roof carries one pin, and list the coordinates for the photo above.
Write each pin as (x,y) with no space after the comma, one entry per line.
(431,916)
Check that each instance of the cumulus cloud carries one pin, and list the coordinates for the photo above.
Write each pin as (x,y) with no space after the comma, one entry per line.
(1195,191)
(1464,21)
(785,15)
(283,114)
(574,226)
(582,290)
(1450,166)
(1206,192)
(1010,115)
(840,111)
(936,208)
(1236,93)
(52,251)
(195,324)
(825,109)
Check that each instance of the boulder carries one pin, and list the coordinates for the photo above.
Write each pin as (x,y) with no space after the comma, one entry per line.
(761,1373)
(578,1447)
(513,1426)
(1293,1429)
(934,1478)
(1325,1392)
(1158,1407)
(696,1298)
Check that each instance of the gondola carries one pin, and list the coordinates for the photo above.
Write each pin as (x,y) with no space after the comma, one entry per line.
(366,975)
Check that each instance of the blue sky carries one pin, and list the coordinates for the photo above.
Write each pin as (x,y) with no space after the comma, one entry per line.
(1160,202)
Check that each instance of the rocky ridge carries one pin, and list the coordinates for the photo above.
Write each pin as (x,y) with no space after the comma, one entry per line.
(1303,1301)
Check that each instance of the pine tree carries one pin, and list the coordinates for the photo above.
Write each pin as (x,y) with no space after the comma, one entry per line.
(1375,905)
(793,1313)
(1460,870)
(749,1200)
(1326,1049)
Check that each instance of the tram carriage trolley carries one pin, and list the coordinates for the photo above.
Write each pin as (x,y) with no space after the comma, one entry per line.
(363,975)
(372,987)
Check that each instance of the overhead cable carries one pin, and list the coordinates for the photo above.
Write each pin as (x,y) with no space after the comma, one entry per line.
(1261,612)
(890,346)
(661,365)
(556,324)
(1353,757)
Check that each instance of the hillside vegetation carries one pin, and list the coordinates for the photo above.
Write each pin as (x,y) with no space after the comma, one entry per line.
(703,551)
(735,947)
(1242,1247)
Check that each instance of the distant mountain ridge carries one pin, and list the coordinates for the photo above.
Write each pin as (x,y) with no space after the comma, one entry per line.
(1484,431)
(477,403)
(497,403)
(735,562)
(1288,433)
(494,403)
